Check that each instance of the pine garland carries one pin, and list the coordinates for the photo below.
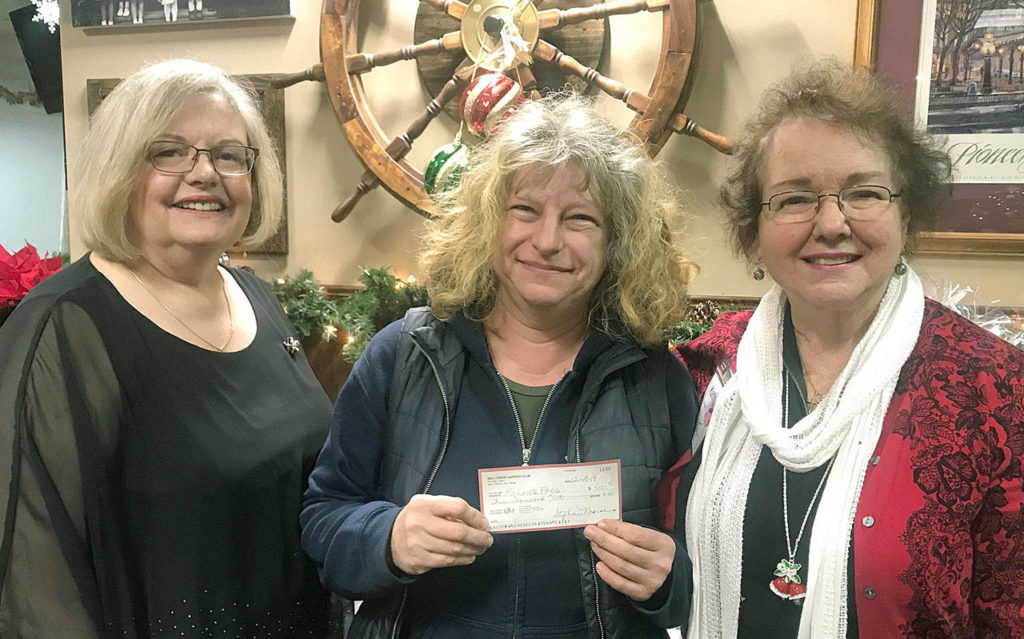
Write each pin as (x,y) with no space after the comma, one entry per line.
(698,320)
(309,310)
(384,299)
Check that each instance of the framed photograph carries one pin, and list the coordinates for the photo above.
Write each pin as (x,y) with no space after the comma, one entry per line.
(959,65)
(175,13)
(271,103)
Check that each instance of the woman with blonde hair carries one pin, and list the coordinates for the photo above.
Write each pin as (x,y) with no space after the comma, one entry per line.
(157,416)
(552,270)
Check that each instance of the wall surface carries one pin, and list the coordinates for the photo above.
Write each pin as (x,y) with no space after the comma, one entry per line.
(743,47)
(32,166)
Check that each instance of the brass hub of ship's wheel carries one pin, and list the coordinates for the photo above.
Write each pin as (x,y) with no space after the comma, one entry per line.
(484,22)
(480,34)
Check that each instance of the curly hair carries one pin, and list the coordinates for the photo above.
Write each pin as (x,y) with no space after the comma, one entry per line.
(642,290)
(854,98)
(113,153)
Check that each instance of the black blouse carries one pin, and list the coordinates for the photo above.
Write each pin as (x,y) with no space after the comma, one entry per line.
(155,485)
(762,612)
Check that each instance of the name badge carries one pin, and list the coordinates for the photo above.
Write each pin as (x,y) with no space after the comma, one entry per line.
(549,497)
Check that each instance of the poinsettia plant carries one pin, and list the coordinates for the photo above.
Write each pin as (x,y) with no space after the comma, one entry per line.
(20,271)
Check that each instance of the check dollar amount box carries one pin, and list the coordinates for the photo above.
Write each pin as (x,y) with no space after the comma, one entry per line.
(548,497)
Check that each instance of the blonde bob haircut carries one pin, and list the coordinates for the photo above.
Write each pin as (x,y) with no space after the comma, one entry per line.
(643,288)
(112,157)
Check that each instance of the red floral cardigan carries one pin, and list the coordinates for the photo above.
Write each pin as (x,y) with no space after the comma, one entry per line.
(939,531)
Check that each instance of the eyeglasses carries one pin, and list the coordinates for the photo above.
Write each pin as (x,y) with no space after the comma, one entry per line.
(178,157)
(863,203)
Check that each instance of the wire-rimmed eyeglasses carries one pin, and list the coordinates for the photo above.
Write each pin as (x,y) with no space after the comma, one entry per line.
(168,156)
(863,203)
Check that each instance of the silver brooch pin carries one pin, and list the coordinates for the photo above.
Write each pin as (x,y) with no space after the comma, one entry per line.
(292,345)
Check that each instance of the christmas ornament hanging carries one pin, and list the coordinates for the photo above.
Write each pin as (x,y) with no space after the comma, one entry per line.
(487,100)
(444,169)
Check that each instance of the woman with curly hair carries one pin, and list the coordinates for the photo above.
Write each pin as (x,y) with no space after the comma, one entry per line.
(553,270)
(860,474)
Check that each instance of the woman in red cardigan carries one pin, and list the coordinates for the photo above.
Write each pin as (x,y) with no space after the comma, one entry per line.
(857,470)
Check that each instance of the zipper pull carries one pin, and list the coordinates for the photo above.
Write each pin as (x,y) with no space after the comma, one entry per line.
(526,457)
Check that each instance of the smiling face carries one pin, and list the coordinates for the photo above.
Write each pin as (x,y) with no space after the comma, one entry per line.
(201,209)
(830,262)
(551,245)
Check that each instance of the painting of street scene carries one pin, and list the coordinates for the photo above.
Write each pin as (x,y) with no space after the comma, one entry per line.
(977,66)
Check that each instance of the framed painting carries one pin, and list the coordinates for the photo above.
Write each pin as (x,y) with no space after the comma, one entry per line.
(96,15)
(958,63)
(271,102)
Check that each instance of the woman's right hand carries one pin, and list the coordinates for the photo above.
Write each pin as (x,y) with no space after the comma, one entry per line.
(436,531)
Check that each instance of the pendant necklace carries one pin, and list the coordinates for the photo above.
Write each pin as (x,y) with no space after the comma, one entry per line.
(224,290)
(787,584)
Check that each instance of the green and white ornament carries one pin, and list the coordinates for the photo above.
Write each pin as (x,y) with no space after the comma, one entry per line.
(445,168)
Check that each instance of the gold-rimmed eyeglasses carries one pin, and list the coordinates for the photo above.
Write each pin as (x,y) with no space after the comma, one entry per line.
(177,157)
(863,203)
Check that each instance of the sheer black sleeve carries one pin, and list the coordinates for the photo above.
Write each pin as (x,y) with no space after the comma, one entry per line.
(56,387)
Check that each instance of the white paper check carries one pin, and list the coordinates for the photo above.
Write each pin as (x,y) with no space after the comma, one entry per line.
(546,497)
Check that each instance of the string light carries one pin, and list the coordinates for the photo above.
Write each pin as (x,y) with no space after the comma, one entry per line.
(48,12)
(330,331)
(351,339)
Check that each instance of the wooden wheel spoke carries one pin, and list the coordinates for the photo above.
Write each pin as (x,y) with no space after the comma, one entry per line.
(363,62)
(635,100)
(314,73)
(549,53)
(527,80)
(454,8)
(554,18)
(400,146)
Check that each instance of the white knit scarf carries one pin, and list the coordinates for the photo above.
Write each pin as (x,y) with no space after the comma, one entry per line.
(748,415)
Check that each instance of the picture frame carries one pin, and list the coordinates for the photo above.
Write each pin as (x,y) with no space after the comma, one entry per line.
(106,16)
(978,219)
(271,103)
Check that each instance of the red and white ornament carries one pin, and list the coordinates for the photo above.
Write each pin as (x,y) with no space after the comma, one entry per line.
(487,100)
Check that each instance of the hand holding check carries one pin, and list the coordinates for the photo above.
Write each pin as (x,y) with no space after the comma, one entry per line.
(633,559)
(436,531)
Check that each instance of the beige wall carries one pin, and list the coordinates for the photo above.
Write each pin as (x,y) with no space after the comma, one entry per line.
(744,46)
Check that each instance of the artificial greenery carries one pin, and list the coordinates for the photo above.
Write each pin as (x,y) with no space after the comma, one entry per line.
(384,299)
(309,310)
(698,320)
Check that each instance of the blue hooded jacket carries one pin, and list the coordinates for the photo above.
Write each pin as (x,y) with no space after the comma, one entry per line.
(424,409)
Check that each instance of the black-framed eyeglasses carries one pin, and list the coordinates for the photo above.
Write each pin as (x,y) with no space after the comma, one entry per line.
(177,157)
(865,202)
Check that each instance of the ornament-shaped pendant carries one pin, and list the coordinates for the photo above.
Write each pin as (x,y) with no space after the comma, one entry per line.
(787,581)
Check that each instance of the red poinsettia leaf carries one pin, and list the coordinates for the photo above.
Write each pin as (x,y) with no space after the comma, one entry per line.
(50,265)
(6,259)
(26,258)
(23,270)
(10,292)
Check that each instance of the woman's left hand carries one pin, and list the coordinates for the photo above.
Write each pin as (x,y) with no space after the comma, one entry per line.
(633,559)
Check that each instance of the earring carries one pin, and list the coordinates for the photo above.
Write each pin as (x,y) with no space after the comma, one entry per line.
(901,267)
(758,273)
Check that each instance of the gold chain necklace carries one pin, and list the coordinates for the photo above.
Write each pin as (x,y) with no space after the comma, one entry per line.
(812,400)
(231,317)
